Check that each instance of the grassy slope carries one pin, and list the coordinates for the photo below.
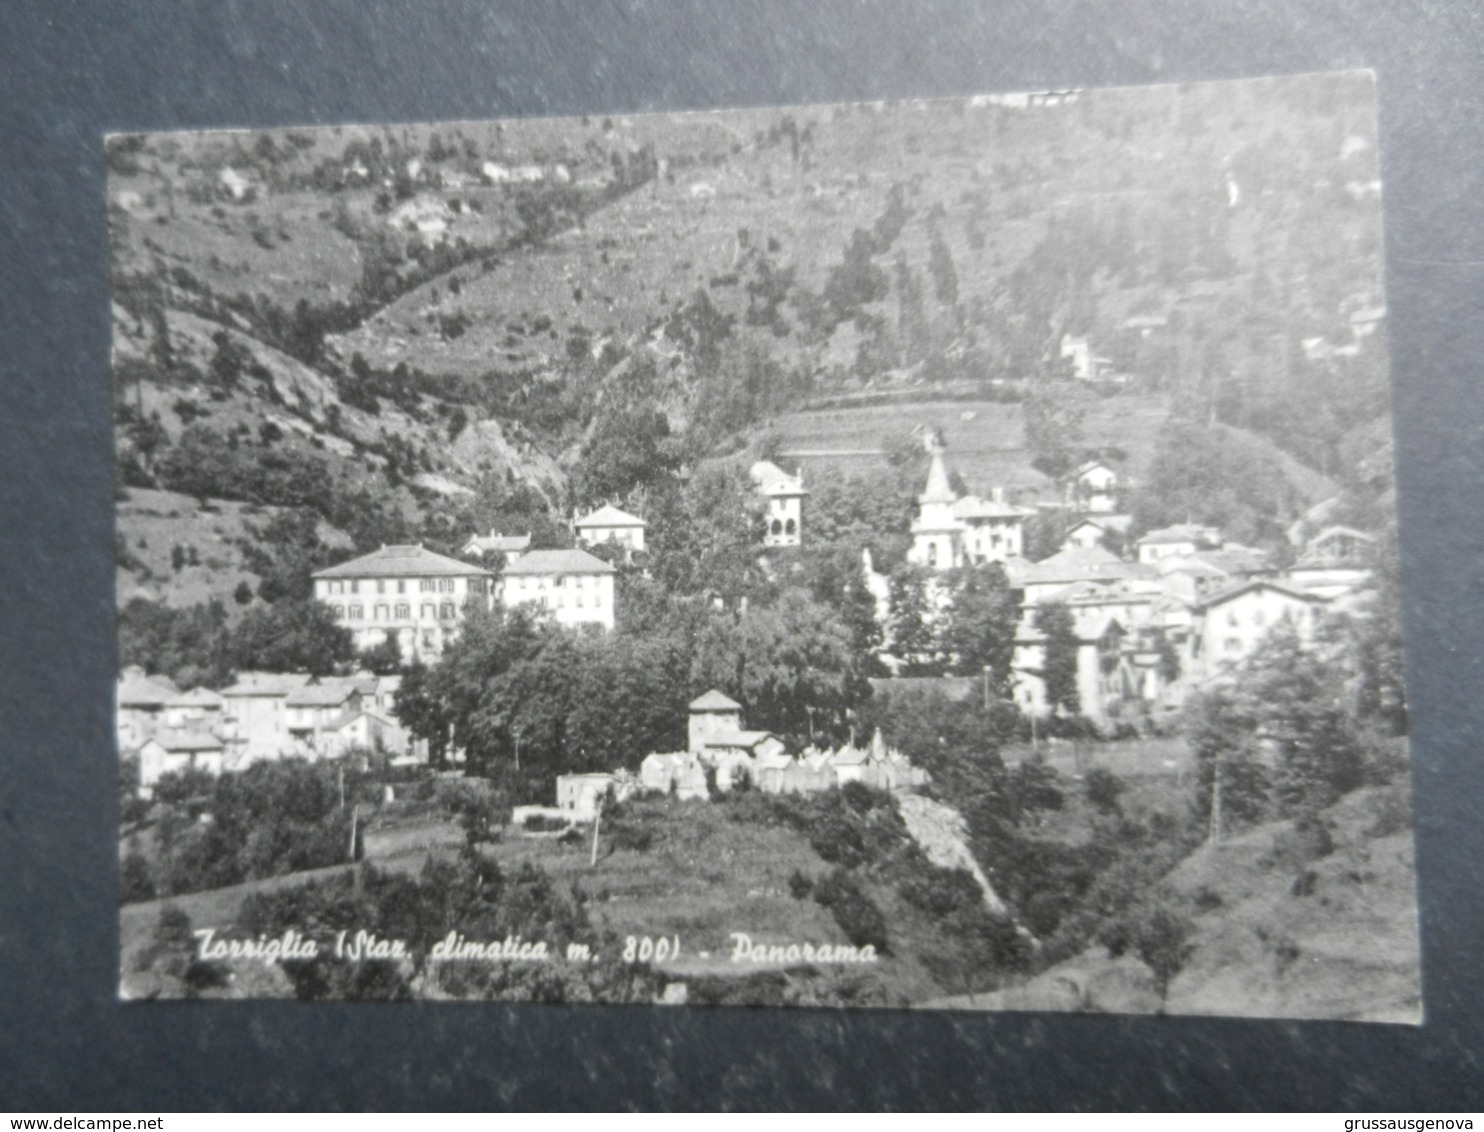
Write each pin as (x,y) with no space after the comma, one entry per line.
(705,877)
(986,439)
(151,523)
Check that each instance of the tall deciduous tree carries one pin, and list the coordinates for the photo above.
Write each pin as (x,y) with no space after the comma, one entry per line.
(292,636)
(1059,657)
(979,631)
(424,716)
(912,633)
(1302,713)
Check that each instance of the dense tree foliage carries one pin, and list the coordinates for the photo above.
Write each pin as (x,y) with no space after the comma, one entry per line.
(1059,649)
(1280,738)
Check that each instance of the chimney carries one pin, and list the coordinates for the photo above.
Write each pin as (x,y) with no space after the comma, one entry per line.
(997,494)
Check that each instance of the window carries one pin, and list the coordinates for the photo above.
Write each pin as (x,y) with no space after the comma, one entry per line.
(425,585)
(401,586)
(380,585)
(790,526)
(445,585)
(445,611)
(932,554)
(338,612)
(579,601)
(777,527)
(355,587)
(404,611)
(357,612)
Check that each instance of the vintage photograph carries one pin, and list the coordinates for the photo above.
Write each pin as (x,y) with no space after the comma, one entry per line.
(933,554)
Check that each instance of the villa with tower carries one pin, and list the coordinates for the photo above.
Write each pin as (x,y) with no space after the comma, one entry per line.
(785,495)
(953,530)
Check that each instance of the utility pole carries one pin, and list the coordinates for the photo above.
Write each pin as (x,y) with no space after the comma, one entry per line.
(1215,832)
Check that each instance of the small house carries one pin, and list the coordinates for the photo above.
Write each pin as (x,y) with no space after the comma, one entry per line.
(170,751)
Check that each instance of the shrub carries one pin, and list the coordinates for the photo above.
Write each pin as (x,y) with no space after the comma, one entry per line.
(1159,934)
(800,886)
(1307,840)
(857,914)
(1103,787)
(136,879)
(1207,899)
(941,892)
(1393,814)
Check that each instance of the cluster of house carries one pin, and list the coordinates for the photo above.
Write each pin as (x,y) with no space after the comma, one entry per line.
(263,715)
(1183,610)
(720,752)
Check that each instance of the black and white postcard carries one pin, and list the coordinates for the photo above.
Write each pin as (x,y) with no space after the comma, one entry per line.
(907,554)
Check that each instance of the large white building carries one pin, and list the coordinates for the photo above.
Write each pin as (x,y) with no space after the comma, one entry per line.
(406,594)
(575,587)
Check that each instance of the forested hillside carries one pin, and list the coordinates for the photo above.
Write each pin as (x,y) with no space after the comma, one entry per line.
(410,331)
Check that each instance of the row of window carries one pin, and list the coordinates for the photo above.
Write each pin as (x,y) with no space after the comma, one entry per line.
(424,585)
(578,601)
(521,582)
(447,611)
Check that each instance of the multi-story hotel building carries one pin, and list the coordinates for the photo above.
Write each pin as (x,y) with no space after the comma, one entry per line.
(404,593)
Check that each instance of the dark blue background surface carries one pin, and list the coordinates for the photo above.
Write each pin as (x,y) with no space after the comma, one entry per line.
(71,71)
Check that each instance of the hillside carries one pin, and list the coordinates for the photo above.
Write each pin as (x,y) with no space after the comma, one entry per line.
(1282,929)
(693,873)
(182,551)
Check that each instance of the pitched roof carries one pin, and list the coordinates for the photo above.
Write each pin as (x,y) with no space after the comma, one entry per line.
(610,516)
(327,694)
(556,562)
(937,489)
(204,697)
(1225,595)
(1099,593)
(1085,521)
(714,701)
(743,739)
(266,683)
(402,561)
(184,741)
(770,479)
(1076,564)
(136,690)
(975,507)
(1235,559)
(347,718)
(1180,532)
(505,544)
